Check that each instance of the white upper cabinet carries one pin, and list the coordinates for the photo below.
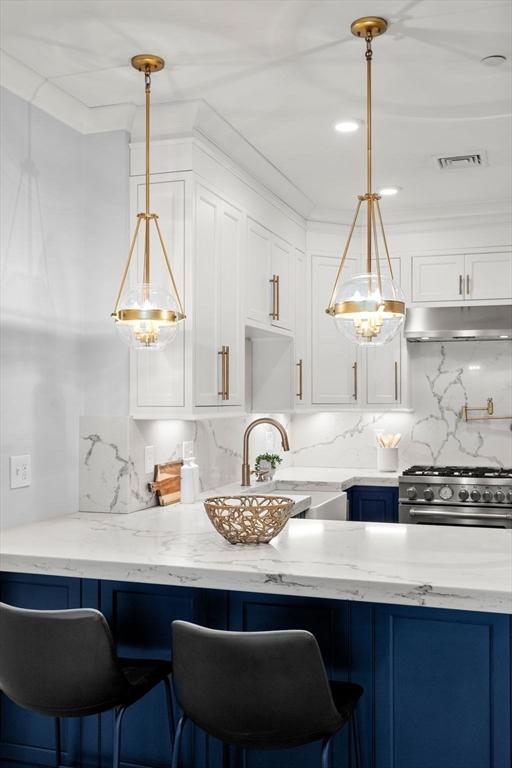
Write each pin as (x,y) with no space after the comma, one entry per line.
(218,320)
(157,377)
(438,278)
(335,367)
(302,320)
(269,278)
(488,276)
(462,277)
(384,366)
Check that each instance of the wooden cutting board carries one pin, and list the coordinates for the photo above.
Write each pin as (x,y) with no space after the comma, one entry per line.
(167,482)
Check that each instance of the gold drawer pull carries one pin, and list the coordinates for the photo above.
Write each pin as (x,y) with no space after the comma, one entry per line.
(300,367)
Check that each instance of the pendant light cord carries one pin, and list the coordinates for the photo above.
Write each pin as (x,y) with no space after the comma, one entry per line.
(147,273)
(368,56)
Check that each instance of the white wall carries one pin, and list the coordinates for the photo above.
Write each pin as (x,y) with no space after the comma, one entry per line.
(42,198)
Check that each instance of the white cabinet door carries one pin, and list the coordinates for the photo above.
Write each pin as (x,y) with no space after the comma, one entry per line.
(335,368)
(383,373)
(301,319)
(438,278)
(230,315)
(206,297)
(160,375)
(283,271)
(383,365)
(488,276)
(218,323)
(258,274)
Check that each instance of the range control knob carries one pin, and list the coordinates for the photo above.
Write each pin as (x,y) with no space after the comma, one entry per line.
(509,497)
(475,495)
(428,494)
(412,493)
(463,494)
(487,496)
(499,496)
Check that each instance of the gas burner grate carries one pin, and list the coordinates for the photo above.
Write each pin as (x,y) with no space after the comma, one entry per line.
(434,471)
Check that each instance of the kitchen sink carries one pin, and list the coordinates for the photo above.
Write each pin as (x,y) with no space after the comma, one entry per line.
(324,505)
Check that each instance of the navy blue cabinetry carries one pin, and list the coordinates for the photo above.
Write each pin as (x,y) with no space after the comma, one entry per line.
(373,504)
(437,682)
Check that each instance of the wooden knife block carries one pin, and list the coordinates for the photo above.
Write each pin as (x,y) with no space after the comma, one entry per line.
(167,482)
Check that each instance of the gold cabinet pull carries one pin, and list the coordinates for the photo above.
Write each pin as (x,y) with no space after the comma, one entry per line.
(224,361)
(354,368)
(300,367)
(467,286)
(275,297)
(461,285)
(396,381)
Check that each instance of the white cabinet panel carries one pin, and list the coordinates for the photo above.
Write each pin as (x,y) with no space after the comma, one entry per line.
(488,276)
(302,316)
(334,379)
(206,298)
(259,260)
(230,316)
(438,278)
(159,375)
(383,364)
(383,373)
(218,322)
(282,269)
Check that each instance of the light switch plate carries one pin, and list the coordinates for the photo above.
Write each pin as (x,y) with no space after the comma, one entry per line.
(149,459)
(20,471)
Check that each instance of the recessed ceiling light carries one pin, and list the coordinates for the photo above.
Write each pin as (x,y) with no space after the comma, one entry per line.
(388,191)
(494,61)
(347,126)
(503,337)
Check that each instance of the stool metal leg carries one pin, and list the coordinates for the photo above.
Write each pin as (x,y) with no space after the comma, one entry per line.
(58,743)
(226,755)
(118,719)
(326,752)
(170,708)
(177,741)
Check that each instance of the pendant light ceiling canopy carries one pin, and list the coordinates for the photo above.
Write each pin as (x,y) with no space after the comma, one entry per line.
(147,315)
(369,309)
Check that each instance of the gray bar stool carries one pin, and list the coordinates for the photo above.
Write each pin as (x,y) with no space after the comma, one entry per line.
(63,664)
(259,690)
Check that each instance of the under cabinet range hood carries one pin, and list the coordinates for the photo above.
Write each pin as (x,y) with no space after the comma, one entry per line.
(488,323)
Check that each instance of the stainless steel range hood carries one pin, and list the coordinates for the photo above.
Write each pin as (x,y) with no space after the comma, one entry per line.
(458,323)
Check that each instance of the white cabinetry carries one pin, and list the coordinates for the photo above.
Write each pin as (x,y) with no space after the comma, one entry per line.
(269,278)
(302,321)
(218,321)
(462,277)
(335,365)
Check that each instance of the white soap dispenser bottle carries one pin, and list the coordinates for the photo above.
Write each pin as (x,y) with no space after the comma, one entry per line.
(189,474)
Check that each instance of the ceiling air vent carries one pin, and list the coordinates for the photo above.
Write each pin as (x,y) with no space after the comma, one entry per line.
(462,161)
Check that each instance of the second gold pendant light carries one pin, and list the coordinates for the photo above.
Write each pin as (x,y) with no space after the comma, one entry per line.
(369,308)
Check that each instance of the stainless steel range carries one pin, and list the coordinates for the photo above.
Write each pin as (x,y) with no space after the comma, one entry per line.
(478,496)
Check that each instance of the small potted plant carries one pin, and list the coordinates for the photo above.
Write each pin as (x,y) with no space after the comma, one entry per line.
(267,462)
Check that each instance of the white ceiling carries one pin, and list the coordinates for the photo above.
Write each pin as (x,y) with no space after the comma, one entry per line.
(283,71)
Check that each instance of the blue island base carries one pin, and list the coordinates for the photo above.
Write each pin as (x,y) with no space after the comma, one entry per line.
(437,682)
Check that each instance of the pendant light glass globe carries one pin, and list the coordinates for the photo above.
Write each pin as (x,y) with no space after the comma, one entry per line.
(367,311)
(148,317)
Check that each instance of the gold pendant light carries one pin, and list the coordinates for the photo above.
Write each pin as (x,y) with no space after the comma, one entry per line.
(369,309)
(147,316)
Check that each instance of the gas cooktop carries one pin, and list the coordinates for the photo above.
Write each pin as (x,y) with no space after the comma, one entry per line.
(477,472)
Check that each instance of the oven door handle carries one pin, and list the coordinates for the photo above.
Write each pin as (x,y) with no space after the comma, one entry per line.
(469,514)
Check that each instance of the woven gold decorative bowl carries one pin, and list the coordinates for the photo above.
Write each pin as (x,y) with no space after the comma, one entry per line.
(248,519)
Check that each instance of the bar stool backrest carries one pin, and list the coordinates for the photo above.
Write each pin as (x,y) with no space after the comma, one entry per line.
(261,689)
(58,662)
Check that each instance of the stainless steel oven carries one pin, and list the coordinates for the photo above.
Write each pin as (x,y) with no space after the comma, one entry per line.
(474,496)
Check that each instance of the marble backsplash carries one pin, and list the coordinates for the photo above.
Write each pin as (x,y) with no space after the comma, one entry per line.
(442,377)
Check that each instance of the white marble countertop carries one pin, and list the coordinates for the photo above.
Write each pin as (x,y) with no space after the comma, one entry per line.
(336,478)
(439,566)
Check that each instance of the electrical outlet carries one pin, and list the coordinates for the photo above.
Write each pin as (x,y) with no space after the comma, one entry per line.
(20,471)
(149,459)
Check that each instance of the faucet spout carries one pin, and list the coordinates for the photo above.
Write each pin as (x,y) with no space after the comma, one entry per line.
(246,469)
